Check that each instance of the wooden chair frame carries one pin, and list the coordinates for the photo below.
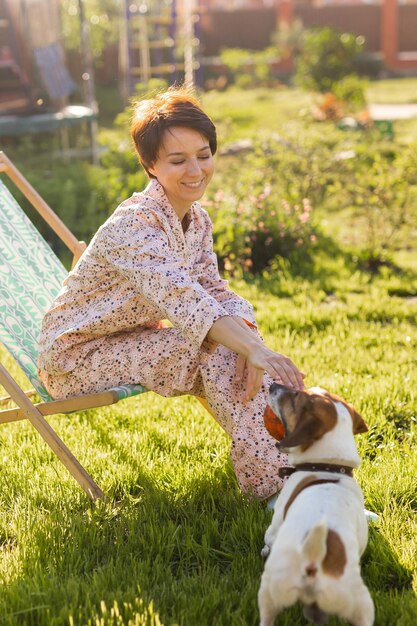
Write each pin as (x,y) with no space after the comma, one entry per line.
(35,412)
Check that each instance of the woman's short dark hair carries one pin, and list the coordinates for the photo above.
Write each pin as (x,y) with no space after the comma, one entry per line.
(151,118)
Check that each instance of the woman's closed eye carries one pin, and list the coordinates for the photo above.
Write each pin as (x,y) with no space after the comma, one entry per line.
(201,158)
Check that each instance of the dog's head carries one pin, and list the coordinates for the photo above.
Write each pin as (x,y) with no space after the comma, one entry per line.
(300,418)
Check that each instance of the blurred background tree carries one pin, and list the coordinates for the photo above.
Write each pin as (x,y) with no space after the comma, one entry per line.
(103,19)
(326,57)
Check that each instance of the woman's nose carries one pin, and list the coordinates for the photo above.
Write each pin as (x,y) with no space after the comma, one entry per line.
(193,167)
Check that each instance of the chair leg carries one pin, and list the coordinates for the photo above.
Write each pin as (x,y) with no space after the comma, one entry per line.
(46,431)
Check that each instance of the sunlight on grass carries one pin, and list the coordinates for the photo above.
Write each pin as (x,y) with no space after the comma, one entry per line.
(175,532)
(392,91)
(235,111)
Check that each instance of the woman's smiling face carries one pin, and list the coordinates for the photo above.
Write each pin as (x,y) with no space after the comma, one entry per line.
(184,167)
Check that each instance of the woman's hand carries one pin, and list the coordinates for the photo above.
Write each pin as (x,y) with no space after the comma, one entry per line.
(254,377)
(254,357)
(279,367)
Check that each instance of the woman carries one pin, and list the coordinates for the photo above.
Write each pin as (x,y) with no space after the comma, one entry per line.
(153,260)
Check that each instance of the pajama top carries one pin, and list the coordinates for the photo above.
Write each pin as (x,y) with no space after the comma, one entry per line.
(139,269)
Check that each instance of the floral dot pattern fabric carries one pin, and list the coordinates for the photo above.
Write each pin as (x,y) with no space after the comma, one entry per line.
(107,325)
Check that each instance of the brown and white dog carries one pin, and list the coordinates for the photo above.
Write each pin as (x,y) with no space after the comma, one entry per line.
(319,530)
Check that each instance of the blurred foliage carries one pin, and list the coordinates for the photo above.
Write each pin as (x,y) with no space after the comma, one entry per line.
(263,203)
(250,68)
(326,62)
(381,188)
(262,207)
(251,231)
(326,56)
(351,90)
(102,17)
(83,195)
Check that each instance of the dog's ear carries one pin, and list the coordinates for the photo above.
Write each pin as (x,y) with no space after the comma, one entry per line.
(317,417)
(359,424)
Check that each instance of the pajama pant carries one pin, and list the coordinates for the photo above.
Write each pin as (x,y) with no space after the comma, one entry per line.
(163,361)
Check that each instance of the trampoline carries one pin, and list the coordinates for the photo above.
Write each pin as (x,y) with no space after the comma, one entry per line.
(71,115)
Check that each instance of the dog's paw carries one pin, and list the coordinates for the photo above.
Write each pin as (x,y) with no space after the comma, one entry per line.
(265,551)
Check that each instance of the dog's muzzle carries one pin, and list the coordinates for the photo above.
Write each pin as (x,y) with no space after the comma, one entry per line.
(273,420)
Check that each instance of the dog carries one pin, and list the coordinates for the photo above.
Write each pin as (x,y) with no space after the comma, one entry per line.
(319,530)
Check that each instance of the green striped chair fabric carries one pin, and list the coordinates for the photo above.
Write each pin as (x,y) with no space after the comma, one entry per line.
(31,276)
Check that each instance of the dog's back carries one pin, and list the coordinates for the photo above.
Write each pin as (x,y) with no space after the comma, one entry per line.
(315,560)
(308,497)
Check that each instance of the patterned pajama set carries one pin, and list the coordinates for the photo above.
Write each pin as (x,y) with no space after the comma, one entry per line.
(105,327)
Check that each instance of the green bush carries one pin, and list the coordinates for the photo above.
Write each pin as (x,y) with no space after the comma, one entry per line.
(266,203)
(351,90)
(262,206)
(382,191)
(250,231)
(249,68)
(326,57)
(261,203)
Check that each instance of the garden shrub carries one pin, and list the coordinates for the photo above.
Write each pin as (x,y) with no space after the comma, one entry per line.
(253,226)
(265,204)
(326,57)
(382,191)
(262,207)
(250,68)
(327,62)
(302,161)
(346,99)
(351,90)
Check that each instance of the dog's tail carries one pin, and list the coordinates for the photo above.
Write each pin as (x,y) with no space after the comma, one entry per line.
(314,548)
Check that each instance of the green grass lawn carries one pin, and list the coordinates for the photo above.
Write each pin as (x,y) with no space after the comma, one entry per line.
(235,111)
(393,91)
(176,543)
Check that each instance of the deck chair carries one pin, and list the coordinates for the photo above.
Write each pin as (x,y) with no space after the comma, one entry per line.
(30,277)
